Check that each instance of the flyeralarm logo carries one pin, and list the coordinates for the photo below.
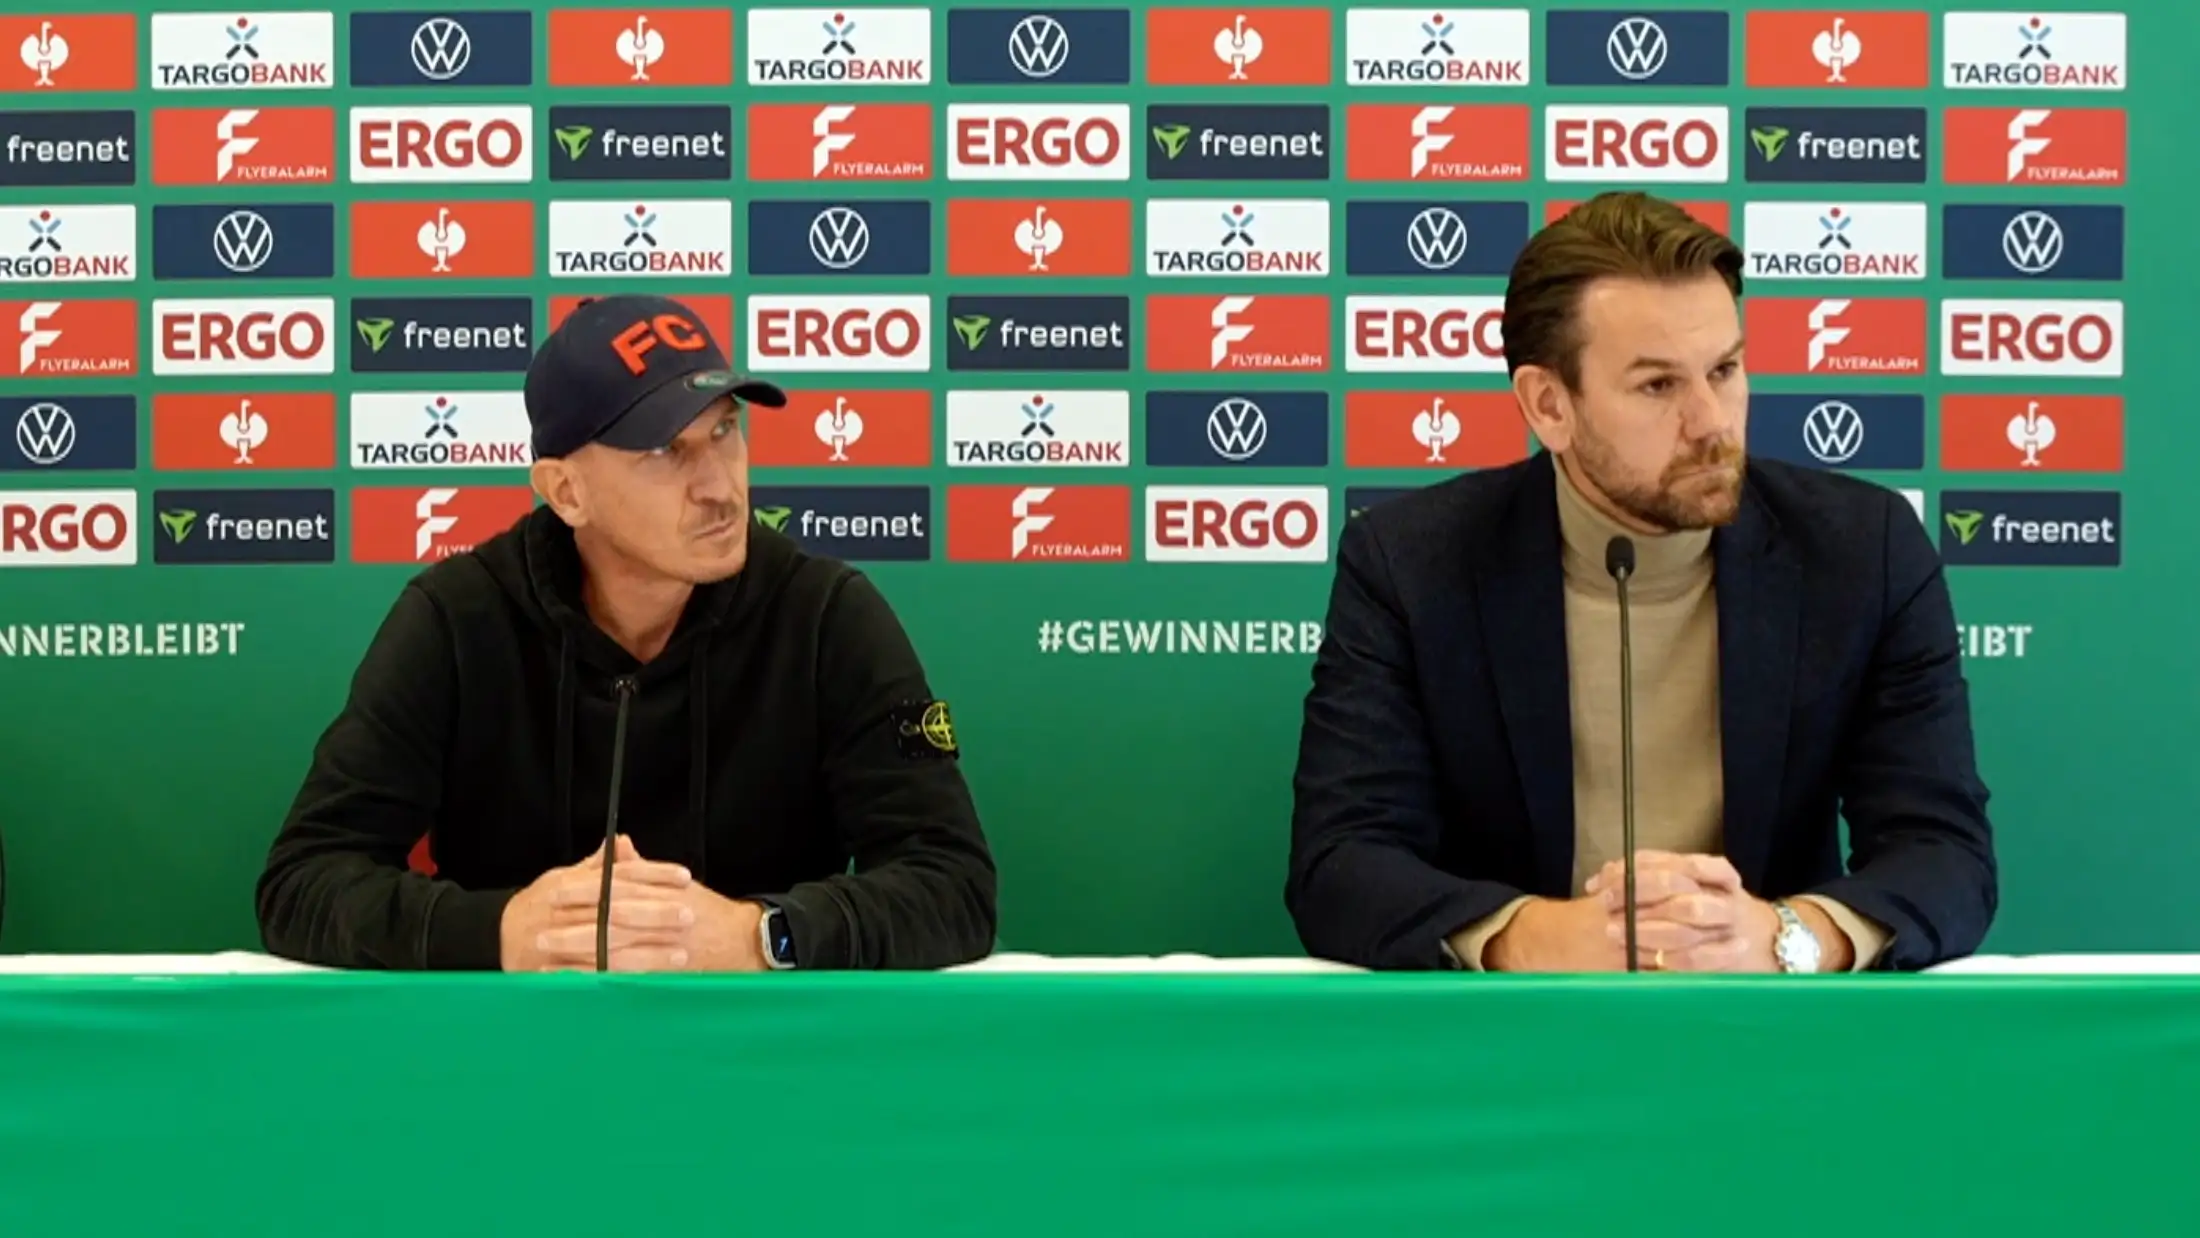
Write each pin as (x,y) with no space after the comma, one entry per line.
(2035,146)
(1060,429)
(1851,240)
(1244,237)
(409,524)
(1405,142)
(1038,524)
(848,333)
(851,47)
(267,51)
(1660,145)
(1425,335)
(1237,334)
(442,145)
(1237,524)
(68,244)
(245,146)
(68,339)
(691,239)
(1409,47)
(2032,51)
(1038,142)
(1846,335)
(245,335)
(840,142)
(2032,339)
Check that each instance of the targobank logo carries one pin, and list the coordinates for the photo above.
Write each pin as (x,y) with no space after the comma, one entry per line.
(641,143)
(1854,240)
(844,47)
(439,430)
(662,239)
(68,244)
(1222,236)
(2031,51)
(1062,429)
(265,51)
(1409,47)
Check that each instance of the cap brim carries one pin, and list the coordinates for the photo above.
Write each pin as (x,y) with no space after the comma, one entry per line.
(659,417)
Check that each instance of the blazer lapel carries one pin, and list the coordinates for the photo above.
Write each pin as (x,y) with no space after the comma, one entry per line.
(1759,594)
(1519,593)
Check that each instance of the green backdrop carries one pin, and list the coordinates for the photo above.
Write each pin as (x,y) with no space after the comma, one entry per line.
(1138,803)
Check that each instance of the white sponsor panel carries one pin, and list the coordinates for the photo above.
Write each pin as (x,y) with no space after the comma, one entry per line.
(1424,335)
(642,238)
(1917,502)
(1237,524)
(1635,143)
(2032,339)
(1027,429)
(885,334)
(67,244)
(1237,236)
(440,430)
(245,335)
(250,51)
(442,145)
(68,528)
(1835,241)
(1039,142)
(1418,47)
(840,47)
(2033,51)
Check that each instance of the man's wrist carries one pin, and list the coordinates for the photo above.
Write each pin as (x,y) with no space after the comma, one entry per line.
(1836,953)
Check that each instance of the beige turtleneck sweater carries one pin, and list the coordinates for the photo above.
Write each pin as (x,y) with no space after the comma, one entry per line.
(1674,617)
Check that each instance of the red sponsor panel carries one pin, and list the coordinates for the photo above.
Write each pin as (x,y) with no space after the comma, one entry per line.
(715,312)
(442,240)
(840,141)
(1038,524)
(1238,47)
(1237,334)
(1028,236)
(2034,146)
(255,431)
(1829,49)
(2023,433)
(416,524)
(1432,430)
(1716,214)
(641,47)
(835,428)
(55,52)
(1859,335)
(1412,142)
(68,339)
(244,146)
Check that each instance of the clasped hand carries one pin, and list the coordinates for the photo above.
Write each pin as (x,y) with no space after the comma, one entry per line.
(1692,914)
(661,919)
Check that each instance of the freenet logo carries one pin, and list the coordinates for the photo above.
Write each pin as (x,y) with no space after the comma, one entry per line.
(1237,524)
(691,143)
(439,430)
(245,335)
(1039,47)
(1410,47)
(1855,240)
(237,241)
(826,237)
(1843,431)
(441,335)
(843,47)
(851,523)
(1222,236)
(68,148)
(1262,429)
(1452,237)
(1238,142)
(72,432)
(2031,51)
(442,145)
(1061,429)
(443,49)
(1039,333)
(68,528)
(661,240)
(1632,47)
(244,526)
(271,51)
(1835,145)
(2032,528)
(68,244)
(2032,242)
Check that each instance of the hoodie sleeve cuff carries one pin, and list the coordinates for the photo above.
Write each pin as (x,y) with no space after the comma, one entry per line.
(819,928)
(465,931)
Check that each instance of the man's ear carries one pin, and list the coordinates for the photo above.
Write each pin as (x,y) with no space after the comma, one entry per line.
(562,488)
(1545,405)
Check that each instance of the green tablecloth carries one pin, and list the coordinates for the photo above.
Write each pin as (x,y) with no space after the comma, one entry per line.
(1061,1106)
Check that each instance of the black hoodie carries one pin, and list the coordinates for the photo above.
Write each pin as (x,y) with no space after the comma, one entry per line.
(785,746)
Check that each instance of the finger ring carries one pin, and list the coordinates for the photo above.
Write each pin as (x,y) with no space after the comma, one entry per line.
(1657,961)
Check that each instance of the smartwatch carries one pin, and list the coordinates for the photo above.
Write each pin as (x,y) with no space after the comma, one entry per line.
(777,938)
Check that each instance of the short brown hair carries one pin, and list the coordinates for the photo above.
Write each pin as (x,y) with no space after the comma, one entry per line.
(1625,235)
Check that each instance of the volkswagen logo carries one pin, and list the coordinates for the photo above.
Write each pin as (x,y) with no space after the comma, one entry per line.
(45,434)
(441,49)
(1237,429)
(1437,238)
(839,238)
(1636,48)
(243,241)
(2032,242)
(1038,46)
(1833,432)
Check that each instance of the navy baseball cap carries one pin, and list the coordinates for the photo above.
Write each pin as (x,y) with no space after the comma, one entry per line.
(629,372)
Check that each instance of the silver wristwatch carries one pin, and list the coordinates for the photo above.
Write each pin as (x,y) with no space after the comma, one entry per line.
(1794,946)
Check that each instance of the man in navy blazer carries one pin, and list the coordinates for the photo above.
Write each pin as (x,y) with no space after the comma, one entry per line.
(1795,662)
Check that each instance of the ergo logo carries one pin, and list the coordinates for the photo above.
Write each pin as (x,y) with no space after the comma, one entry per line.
(243,336)
(840,333)
(991,141)
(1432,334)
(1251,524)
(1666,144)
(68,528)
(2069,338)
(398,144)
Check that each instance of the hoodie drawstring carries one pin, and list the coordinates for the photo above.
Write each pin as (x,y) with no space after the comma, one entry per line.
(699,752)
(561,765)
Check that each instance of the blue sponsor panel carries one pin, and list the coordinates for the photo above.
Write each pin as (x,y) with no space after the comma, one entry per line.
(1455,238)
(1258,429)
(1635,47)
(613,143)
(854,523)
(829,237)
(2032,242)
(1238,142)
(2032,528)
(443,48)
(1839,431)
(244,526)
(245,241)
(1057,334)
(1835,145)
(1039,47)
(74,433)
(442,335)
(69,148)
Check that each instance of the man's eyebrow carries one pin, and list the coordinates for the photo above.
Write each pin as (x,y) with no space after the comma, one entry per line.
(1667,363)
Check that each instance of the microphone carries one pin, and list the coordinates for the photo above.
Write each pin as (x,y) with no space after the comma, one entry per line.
(625,689)
(1619,560)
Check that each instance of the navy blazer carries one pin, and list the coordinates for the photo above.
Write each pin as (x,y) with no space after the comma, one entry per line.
(1435,773)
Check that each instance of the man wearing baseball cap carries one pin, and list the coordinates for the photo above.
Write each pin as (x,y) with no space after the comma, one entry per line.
(635,665)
